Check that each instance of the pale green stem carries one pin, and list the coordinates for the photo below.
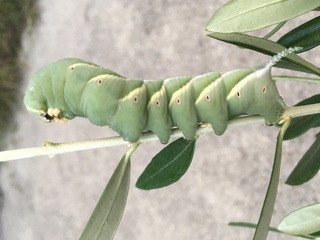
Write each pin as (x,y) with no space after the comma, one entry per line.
(132,148)
(280,25)
(300,79)
(52,149)
(300,111)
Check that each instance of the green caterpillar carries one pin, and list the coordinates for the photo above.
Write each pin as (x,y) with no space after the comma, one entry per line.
(72,87)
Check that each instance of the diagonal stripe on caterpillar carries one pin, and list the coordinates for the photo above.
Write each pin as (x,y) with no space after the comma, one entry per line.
(72,87)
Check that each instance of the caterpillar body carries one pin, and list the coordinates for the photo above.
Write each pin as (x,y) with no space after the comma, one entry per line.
(72,87)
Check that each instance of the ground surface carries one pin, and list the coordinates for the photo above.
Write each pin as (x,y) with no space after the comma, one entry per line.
(52,198)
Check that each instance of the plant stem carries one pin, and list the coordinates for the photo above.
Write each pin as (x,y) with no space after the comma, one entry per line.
(276,29)
(295,78)
(52,149)
(300,111)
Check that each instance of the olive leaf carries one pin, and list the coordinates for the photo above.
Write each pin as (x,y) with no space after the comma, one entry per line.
(168,166)
(292,61)
(263,225)
(300,125)
(302,221)
(308,166)
(108,212)
(249,15)
(306,36)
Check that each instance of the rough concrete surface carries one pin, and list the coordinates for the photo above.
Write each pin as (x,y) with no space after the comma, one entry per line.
(52,198)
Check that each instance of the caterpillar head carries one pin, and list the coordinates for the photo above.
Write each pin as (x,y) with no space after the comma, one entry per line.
(36,104)
(44,98)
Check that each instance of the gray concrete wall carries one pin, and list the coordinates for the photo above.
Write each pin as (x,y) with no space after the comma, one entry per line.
(52,198)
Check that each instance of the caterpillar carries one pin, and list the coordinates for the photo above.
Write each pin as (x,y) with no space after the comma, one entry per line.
(72,87)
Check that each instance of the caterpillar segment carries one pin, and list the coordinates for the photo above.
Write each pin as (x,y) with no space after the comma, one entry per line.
(72,87)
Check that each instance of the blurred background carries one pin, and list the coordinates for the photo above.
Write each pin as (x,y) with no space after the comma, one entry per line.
(52,198)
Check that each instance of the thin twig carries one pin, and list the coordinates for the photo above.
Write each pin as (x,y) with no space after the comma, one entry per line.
(295,78)
(52,149)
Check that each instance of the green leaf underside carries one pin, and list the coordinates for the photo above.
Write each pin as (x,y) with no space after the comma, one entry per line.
(303,221)
(300,125)
(107,214)
(308,166)
(306,35)
(168,166)
(292,61)
(249,15)
(262,229)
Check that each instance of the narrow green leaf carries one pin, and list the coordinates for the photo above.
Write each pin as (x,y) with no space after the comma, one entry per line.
(308,166)
(292,61)
(317,124)
(263,225)
(249,15)
(276,29)
(168,166)
(306,35)
(108,212)
(300,125)
(315,235)
(303,221)
(252,225)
